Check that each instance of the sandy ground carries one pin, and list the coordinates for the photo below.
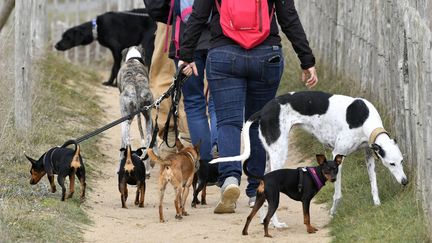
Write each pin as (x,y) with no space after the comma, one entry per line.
(114,224)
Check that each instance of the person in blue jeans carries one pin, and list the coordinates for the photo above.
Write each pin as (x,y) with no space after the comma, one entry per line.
(195,104)
(194,96)
(242,81)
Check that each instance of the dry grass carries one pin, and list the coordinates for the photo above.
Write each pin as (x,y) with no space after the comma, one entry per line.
(64,107)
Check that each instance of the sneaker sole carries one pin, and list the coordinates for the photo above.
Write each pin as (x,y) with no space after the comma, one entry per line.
(228,201)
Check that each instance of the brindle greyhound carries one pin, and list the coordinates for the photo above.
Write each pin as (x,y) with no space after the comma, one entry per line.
(135,94)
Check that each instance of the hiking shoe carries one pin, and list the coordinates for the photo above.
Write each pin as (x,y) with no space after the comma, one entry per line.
(252,202)
(230,194)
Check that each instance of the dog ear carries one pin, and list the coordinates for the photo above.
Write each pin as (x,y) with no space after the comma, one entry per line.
(141,50)
(30,159)
(140,151)
(339,158)
(124,54)
(375,147)
(321,159)
(179,144)
(78,36)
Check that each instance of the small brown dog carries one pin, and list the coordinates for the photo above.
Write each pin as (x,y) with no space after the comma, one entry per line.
(178,169)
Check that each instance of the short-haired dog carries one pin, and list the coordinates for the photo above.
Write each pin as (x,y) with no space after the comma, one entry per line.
(341,122)
(135,94)
(300,184)
(206,175)
(132,171)
(60,161)
(177,169)
(115,31)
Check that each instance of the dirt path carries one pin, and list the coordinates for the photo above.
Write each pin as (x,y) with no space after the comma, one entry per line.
(114,224)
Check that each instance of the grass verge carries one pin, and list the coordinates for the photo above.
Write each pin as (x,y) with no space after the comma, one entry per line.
(64,107)
(400,217)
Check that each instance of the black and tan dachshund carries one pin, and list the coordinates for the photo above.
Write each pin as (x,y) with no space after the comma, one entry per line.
(300,184)
(60,161)
(133,172)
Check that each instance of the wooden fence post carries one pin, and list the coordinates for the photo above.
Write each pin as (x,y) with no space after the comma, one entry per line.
(38,28)
(22,98)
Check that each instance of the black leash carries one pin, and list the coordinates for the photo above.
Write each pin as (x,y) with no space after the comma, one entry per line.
(175,94)
(174,89)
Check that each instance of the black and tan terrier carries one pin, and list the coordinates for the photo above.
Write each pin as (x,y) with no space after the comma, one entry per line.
(60,161)
(133,172)
(299,184)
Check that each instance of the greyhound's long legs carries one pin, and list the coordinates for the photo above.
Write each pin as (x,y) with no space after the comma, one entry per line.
(370,162)
(149,130)
(337,196)
(277,155)
(141,130)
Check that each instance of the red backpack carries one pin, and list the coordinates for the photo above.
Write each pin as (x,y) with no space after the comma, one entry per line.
(245,21)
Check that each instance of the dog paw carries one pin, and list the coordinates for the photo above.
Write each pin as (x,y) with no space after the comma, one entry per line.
(311,229)
(185,213)
(161,221)
(108,83)
(178,217)
(53,189)
(141,205)
(136,202)
(70,195)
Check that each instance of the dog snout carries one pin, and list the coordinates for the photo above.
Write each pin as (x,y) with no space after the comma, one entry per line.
(404,181)
(32,182)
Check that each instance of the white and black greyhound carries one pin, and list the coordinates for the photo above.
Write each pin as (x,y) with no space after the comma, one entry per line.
(341,122)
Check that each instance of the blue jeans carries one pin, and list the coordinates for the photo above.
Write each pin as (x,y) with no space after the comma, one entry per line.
(196,109)
(242,82)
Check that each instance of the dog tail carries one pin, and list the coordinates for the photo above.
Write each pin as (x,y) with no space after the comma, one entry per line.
(156,158)
(247,149)
(129,166)
(76,162)
(250,175)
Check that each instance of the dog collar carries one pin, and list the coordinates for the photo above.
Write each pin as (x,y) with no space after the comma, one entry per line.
(315,177)
(138,59)
(374,134)
(94,29)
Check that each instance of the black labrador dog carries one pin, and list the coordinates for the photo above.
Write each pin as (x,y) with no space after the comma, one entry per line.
(116,31)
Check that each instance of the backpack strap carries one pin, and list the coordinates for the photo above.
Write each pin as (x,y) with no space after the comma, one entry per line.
(170,15)
(177,36)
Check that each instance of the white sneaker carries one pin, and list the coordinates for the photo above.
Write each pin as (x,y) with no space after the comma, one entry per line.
(252,202)
(229,197)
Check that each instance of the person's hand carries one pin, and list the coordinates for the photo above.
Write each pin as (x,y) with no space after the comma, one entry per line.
(309,76)
(189,68)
